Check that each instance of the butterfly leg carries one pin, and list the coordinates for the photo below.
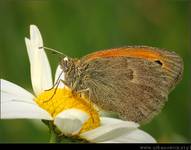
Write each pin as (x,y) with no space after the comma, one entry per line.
(54,91)
(83,90)
(89,100)
(64,82)
(56,83)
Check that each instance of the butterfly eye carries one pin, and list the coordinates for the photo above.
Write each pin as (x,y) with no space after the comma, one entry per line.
(65,65)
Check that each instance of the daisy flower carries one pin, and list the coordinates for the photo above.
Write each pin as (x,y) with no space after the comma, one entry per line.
(68,116)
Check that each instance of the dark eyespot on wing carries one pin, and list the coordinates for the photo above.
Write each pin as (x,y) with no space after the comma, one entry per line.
(158,62)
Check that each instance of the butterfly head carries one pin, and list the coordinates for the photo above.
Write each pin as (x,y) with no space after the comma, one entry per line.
(69,67)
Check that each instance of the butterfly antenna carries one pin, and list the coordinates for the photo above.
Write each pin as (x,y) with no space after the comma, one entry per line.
(52,50)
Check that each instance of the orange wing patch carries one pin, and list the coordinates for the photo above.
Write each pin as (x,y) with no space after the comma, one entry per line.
(136,52)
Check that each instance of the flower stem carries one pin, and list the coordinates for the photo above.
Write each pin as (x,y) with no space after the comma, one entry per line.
(53,135)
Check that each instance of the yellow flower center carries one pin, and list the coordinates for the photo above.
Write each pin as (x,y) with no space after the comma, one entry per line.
(63,99)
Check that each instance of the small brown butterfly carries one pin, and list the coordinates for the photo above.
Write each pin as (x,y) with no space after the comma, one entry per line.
(133,81)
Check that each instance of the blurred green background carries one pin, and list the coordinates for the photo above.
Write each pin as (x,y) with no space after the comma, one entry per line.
(78,27)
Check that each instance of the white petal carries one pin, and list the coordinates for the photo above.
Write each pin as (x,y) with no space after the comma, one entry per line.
(109,121)
(35,36)
(109,131)
(5,97)
(29,49)
(10,91)
(40,68)
(16,102)
(59,74)
(134,136)
(70,121)
(22,110)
